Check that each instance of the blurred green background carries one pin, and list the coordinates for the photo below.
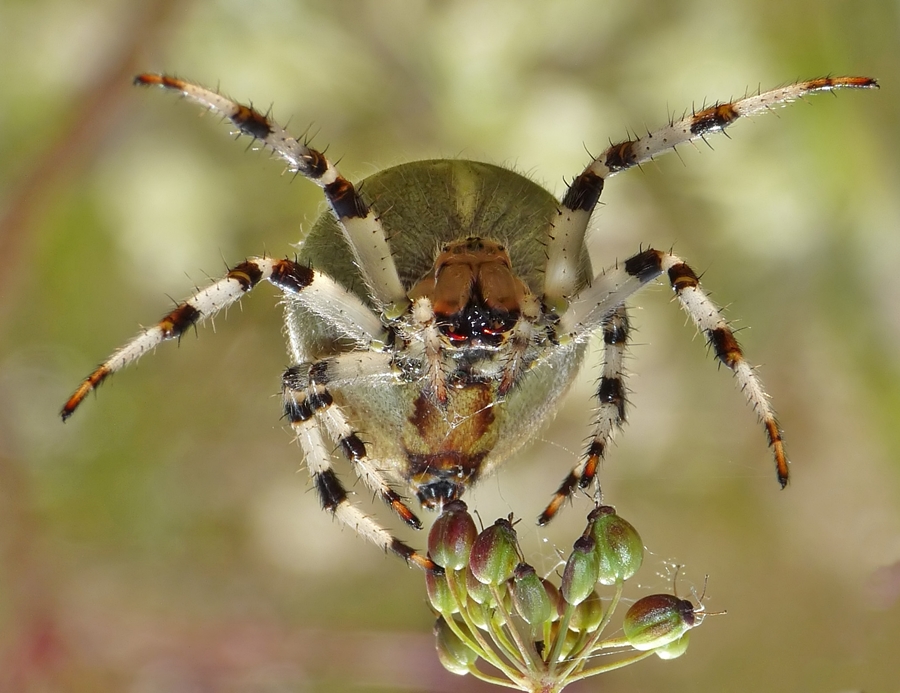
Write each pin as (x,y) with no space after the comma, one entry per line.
(165,539)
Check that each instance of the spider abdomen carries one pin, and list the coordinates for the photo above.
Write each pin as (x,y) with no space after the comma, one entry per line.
(426,205)
(468,236)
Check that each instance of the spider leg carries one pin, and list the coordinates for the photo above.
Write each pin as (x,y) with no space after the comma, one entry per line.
(425,329)
(311,413)
(521,337)
(610,411)
(595,307)
(362,227)
(344,310)
(709,320)
(312,392)
(567,235)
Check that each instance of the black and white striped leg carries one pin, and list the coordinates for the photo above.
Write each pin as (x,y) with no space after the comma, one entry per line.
(318,292)
(592,308)
(311,412)
(566,238)
(361,225)
(709,320)
(321,403)
(611,401)
(303,406)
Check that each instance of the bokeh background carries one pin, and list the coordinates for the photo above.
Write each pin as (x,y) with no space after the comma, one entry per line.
(165,539)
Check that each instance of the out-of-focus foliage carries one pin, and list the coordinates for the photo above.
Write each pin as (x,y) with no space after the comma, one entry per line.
(165,539)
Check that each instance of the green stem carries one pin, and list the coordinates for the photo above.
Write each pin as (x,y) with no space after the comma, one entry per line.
(560,637)
(618,664)
(526,649)
(484,649)
(487,678)
(580,658)
(499,637)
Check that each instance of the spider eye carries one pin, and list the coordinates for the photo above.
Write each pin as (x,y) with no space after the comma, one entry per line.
(476,323)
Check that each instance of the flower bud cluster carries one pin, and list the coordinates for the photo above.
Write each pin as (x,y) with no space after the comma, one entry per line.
(494,608)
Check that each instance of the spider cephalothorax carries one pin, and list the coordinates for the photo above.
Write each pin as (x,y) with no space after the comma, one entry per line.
(442,317)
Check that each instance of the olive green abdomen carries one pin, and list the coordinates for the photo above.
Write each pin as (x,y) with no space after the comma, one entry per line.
(425,204)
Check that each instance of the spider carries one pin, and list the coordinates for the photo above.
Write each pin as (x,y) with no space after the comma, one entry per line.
(441,317)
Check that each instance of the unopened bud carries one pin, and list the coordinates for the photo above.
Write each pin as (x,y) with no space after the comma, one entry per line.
(587,616)
(481,614)
(557,603)
(478,591)
(674,649)
(658,620)
(620,550)
(495,553)
(451,537)
(529,596)
(580,573)
(455,655)
(439,593)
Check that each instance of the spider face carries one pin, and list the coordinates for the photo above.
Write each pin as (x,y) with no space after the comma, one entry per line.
(434,324)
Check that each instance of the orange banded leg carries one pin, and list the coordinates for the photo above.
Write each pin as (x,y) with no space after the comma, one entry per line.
(316,291)
(611,402)
(361,226)
(567,235)
(709,320)
(309,396)
(303,406)
(597,304)
(712,324)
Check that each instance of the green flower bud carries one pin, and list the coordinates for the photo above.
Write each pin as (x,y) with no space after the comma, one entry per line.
(495,553)
(620,550)
(587,615)
(439,593)
(455,655)
(529,596)
(481,614)
(451,537)
(571,639)
(658,620)
(580,573)
(557,603)
(478,591)
(502,612)
(674,649)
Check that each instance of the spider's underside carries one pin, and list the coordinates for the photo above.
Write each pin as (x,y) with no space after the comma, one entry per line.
(442,317)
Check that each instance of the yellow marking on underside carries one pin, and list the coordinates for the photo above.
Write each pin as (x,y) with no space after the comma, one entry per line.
(466,191)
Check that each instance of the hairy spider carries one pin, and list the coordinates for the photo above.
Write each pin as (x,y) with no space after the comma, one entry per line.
(443,317)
